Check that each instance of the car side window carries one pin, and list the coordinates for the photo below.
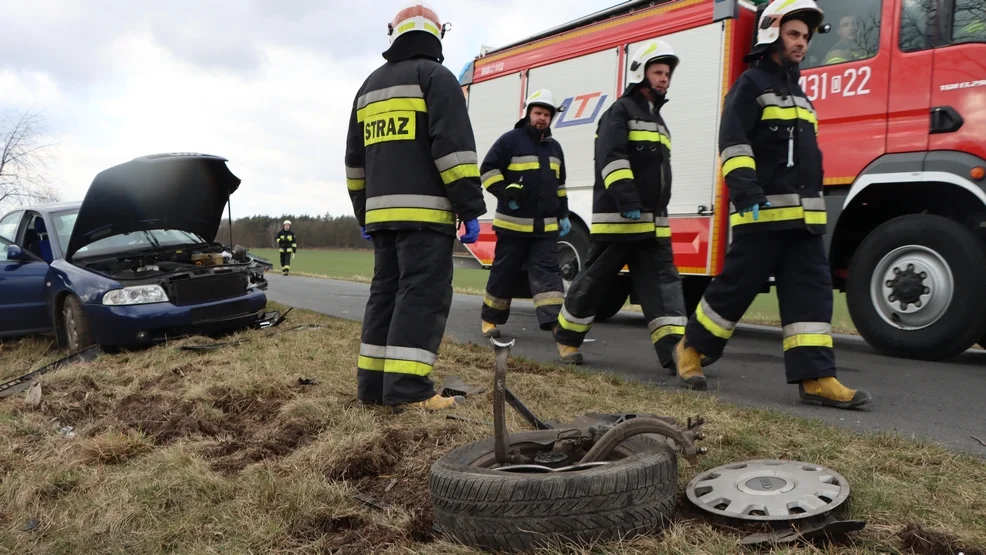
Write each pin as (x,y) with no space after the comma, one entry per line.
(855,34)
(8,226)
(917,25)
(3,250)
(968,21)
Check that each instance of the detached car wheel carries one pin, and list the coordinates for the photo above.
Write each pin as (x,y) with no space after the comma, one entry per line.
(913,288)
(502,510)
(76,327)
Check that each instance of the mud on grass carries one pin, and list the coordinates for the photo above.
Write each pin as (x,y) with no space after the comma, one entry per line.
(178,451)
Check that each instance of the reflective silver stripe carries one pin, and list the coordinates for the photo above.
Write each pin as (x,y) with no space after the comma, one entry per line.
(514,219)
(640,125)
(492,173)
(554,160)
(372,351)
(666,321)
(716,319)
(450,161)
(397,91)
(663,130)
(546,298)
(617,218)
(776,201)
(496,303)
(813,203)
(409,201)
(523,159)
(736,150)
(550,221)
(816,328)
(573,320)
(803,102)
(411,354)
(616,165)
(662,222)
(774,99)
(355,173)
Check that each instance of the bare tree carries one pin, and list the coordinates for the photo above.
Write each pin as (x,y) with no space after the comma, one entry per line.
(24,159)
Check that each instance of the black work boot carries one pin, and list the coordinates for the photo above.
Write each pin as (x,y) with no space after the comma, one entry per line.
(828,392)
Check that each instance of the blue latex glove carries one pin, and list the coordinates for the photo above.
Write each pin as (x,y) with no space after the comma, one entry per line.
(755,209)
(472,232)
(632,214)
(566,226)
(512,204)
(362,231)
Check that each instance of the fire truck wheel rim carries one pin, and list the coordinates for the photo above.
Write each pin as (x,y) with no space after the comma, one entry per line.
(912,287)
(568,252)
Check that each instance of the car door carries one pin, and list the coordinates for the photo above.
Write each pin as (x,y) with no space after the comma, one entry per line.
(23,288)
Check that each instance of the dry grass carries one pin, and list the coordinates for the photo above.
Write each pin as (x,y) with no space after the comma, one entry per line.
(225,452)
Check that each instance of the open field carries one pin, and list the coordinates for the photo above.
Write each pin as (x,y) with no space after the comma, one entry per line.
(358,266)
(225,452)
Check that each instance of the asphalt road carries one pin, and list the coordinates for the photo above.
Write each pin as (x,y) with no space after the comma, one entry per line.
(942,402)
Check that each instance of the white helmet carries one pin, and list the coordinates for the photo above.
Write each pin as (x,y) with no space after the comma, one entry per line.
(417,17)
(779,11)
(287,222)
(651,51)
(542,97)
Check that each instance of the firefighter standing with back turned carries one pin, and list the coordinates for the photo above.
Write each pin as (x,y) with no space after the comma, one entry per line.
(629,212)
(525,171)
(773,169)
(287,245)
(411,169)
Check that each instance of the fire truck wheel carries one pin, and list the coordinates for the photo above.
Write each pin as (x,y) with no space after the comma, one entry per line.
(500,510)
(573,251)
(614,300)
(912,288)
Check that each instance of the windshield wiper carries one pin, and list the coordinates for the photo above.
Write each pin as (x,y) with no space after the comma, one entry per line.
(152,239)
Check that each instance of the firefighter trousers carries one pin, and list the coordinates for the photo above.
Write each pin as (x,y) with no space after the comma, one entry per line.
(410,298)
(285,262)
(543,275)
(799,264)
(656,285)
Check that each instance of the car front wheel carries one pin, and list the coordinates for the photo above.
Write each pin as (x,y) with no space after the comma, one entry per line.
(76,328)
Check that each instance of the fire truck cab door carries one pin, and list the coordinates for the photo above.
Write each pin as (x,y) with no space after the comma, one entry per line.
(911,74)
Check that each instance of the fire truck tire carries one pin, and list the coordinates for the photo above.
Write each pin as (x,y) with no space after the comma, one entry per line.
(614,300)
(573,251)
(937,258)
(518,511)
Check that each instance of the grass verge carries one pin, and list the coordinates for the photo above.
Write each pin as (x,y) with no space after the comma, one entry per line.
(225,451)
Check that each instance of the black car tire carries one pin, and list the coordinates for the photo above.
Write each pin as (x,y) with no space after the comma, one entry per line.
(573,252)
(76,327)
(508,511)
(960,325)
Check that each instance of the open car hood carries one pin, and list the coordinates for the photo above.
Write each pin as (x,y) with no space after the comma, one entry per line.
(183,191)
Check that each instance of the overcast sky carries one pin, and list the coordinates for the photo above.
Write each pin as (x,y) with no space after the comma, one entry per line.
(267,84)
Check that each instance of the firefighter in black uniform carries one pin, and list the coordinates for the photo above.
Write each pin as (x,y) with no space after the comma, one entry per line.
(287,245)
(629,212)
(411,170)
(525,171)
(773,169)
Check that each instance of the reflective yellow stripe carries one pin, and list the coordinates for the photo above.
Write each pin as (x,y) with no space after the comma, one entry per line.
(519,167)
(577,328)
(737,163)
(410,215)
(644,227)
(356,184)
(550,227)
(557,167)
(664,331)
(616,176)
(550,298)
(781,215)
(562,193)
(816,218)
(650,137)
(392,105)
(499,222)
(663,231)
(807,340)
(367,363)
(406,367)
(712,327)
(492,179)
(496,303)
(797,112)
(462,171)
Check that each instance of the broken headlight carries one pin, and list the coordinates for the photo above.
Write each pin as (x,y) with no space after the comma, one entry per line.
(138,294)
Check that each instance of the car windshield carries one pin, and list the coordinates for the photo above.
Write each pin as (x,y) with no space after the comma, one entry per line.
(64,222)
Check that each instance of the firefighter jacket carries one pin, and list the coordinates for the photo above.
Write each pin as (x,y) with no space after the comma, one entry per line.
(532,161)
(287,241)
(410,153)
(633,171)
(769,152)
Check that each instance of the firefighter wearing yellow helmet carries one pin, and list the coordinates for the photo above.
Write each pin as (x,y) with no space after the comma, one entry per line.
(525,171)
(412,174)
(287,246)
(629,212)
(773,169)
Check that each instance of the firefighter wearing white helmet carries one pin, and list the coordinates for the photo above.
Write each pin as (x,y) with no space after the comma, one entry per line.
(629,212)
(287,245)
(525,171)
(413,178)
(773,169)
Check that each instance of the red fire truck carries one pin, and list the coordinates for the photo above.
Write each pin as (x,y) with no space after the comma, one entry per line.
(900,89)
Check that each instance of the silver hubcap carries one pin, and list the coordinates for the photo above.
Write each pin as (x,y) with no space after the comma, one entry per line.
(768,490)
(912,287)
(71,333)
(568,255)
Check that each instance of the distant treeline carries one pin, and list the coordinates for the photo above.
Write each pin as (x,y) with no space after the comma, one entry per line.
(314,232)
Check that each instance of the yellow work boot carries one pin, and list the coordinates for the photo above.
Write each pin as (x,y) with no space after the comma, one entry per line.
(688,361)
(437,403)
(569,355)
(828,392)
(489,330)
